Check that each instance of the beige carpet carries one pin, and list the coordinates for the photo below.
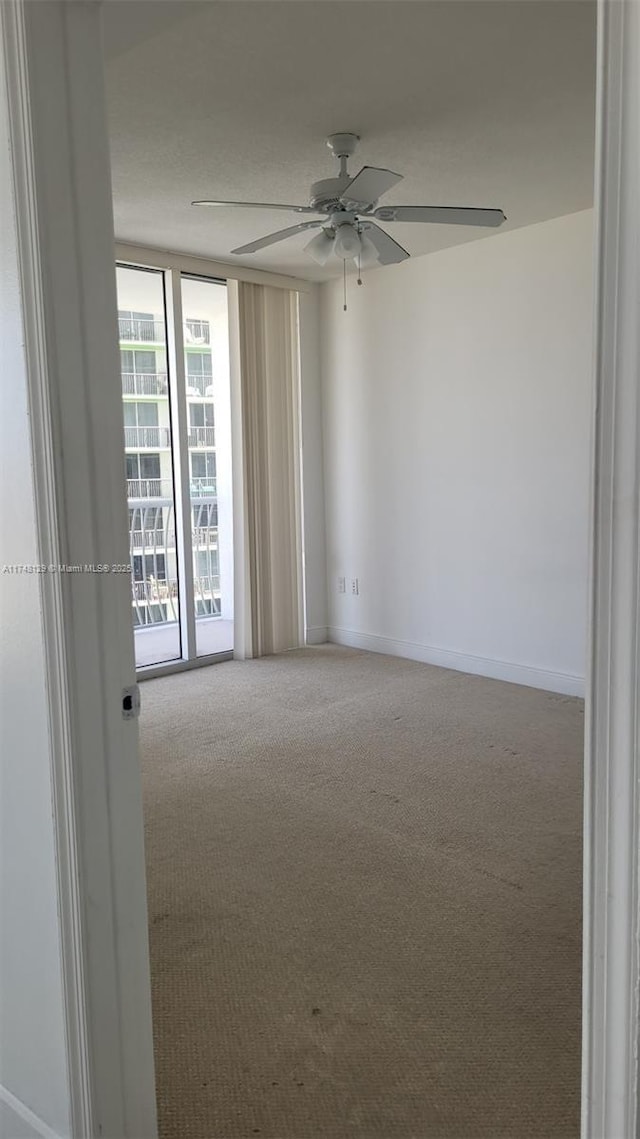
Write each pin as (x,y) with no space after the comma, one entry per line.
(364,900)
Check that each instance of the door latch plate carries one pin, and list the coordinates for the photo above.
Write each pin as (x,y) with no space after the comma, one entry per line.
(131,702)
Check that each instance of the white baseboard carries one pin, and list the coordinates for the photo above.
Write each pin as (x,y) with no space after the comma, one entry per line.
(316,635)
(560,682)
(17,1121)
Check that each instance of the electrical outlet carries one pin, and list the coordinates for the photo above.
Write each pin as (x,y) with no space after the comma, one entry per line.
(342,585)
(355,586)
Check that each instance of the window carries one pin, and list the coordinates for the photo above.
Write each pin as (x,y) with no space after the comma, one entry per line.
(147,441)
(146,566)
(199,364)
(143,471)
(201,414)
(133,466)
(149,466)
(134,361)
(140,414)
(203,465)
(150,373)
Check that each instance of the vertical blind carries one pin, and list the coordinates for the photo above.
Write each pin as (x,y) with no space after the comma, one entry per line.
(269,592)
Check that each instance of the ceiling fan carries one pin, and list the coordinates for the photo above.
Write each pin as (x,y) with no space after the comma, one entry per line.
(350,205)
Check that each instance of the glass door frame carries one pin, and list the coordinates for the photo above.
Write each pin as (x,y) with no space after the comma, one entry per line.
(172,278)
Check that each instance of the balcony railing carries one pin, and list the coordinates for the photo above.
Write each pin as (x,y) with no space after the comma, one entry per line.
(197,332)
(153,590)
(152,541)
(203,488)
(199,385)
(135,329)
(152,544)
(149,488)
(202,436)
(140,437)
(144,383)
(205,587)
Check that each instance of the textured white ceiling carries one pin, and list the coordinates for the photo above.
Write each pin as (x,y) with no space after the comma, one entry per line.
(477,102)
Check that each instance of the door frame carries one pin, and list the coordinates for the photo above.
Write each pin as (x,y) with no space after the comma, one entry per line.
(64,231)
(611,963)
(65,236)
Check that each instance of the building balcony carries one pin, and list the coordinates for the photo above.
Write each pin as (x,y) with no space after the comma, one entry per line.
(199,386)
(152,541)
(202,436)
(134,330)
(145,383)
(157,643)
(203,488)
(155,599)
(152,527)
(162,489)
(196,332)
(154,591)
(150,488)
(139,438)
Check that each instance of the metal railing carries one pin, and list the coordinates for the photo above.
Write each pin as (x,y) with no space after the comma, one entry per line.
(153,590)
(206,587)
(197,332)
(152,542)
(156,437)
(203,488)
(145,383)
(199,385)
(149,488)
(139,330)
(202,436)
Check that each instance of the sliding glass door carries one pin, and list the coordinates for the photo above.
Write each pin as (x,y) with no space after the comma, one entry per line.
(174,359)
(206,365)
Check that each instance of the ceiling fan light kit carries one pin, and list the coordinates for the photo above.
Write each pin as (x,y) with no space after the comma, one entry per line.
(350,208)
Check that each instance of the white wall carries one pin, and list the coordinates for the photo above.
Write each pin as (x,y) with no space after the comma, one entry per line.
(33,1073)
(457,417)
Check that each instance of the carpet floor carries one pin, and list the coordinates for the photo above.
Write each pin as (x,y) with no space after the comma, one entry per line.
(364,881)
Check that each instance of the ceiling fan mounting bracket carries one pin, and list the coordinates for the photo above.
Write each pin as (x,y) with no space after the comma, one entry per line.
(343,144)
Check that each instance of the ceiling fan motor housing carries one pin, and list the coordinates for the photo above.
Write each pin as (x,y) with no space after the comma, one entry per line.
(325,195)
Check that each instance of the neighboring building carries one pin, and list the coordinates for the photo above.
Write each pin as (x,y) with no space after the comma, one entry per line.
(149,467)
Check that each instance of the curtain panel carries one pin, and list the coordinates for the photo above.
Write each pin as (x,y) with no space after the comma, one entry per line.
(267,534)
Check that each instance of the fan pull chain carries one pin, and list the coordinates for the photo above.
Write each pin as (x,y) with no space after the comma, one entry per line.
(359,268)
(344,283)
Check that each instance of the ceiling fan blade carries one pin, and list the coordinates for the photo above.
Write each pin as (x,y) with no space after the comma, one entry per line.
(260,206)
(368,185)
(281,235)
(440,215)
(389,251)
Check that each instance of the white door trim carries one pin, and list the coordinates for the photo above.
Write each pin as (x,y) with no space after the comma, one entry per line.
(61,176)
(50,552)
(611,832)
